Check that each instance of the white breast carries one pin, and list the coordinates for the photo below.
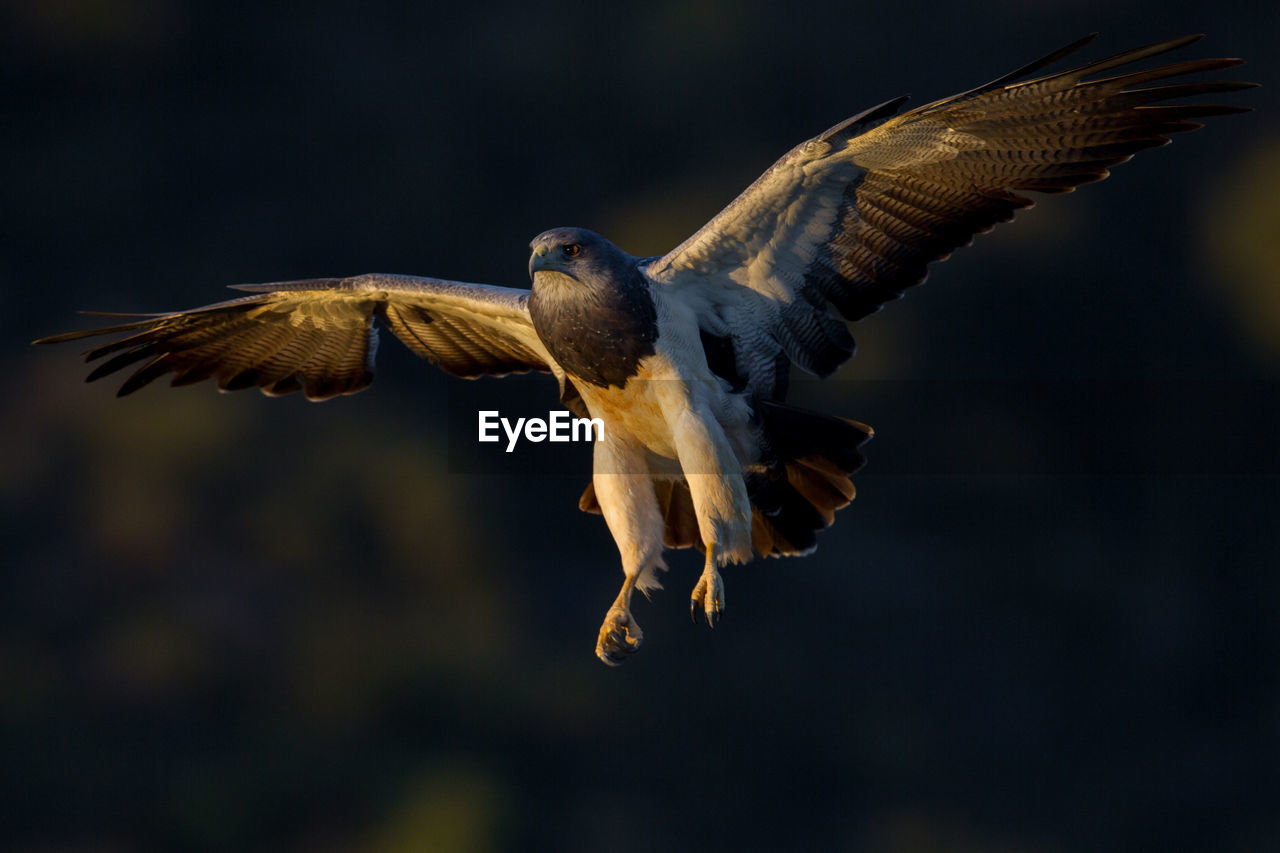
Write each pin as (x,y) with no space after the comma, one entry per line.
(674,380)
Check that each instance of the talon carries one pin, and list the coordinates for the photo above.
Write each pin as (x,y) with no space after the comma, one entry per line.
(708,597)
(697,599)
(619,636)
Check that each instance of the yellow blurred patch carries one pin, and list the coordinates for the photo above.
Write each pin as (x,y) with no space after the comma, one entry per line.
(1241,234)
(457,808)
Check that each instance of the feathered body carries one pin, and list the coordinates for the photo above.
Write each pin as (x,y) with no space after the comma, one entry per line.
(705,453)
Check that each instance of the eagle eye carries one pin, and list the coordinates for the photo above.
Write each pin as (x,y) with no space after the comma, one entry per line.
(572,250)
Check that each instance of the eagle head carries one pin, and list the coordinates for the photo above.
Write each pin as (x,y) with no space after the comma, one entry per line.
(579,254)
(591,306)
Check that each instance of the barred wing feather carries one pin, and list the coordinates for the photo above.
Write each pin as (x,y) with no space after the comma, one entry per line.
(851,218)
(320,335)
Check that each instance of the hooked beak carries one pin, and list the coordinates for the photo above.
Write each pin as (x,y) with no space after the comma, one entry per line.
(538,260)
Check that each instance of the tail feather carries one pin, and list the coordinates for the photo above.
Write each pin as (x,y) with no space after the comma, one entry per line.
(827,491)
(799,494)
(794,433)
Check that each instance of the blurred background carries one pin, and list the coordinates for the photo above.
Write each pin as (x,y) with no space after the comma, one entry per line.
(1048,623)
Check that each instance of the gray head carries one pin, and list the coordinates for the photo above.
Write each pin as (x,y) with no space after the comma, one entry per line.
(582,255)
(591,306)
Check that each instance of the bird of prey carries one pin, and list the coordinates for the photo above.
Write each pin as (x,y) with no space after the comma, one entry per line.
(685,357)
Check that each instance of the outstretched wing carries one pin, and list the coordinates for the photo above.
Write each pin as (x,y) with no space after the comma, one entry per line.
(320,335)
(853,217)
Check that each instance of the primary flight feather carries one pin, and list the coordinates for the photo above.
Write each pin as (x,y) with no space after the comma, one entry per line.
(685,357)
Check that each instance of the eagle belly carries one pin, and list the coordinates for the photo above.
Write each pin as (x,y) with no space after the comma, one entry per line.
(692,428)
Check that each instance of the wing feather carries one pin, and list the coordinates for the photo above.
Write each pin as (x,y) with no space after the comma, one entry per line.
(852,218)
(319,336)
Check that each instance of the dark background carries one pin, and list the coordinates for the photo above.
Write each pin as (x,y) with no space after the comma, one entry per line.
(1048,623)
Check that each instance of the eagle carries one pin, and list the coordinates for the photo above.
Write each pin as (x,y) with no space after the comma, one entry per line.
(685,357)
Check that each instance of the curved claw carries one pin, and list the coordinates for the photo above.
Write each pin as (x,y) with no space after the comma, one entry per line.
(620,636)
(708,598)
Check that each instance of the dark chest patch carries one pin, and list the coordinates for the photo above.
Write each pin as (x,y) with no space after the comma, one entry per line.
(597,330)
